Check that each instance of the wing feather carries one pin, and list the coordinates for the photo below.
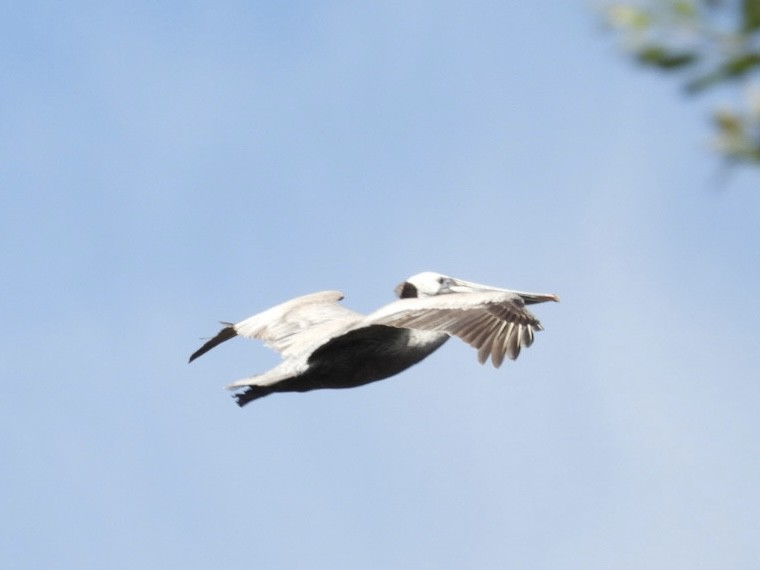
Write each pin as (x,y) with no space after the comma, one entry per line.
(497,324)
(297,325)
(292,327)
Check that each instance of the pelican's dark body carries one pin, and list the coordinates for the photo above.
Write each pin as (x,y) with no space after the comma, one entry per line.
(359,357)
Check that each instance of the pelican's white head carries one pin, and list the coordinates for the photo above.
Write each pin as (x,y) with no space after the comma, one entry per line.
(425,284)
(430,284)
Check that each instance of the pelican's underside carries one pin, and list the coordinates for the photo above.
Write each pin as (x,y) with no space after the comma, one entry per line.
(357,358)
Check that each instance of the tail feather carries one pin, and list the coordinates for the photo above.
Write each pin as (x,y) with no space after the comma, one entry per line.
(251,393)
(300,383)
(226,333)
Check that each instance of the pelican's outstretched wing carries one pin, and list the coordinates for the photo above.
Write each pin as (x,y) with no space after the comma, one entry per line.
(495,323)
(291,327)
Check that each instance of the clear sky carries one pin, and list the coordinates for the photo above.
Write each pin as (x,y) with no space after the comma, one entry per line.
(166,165)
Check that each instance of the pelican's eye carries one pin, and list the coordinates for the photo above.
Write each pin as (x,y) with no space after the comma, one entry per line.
(444,284)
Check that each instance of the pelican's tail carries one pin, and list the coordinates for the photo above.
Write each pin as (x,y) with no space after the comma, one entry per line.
(252,393)
(281,378)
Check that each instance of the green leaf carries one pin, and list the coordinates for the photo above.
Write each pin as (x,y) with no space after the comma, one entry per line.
(732,69)
(628,17)
(658,56)
(750,15)
(705,82)
(739,66)
(729,124)
(684,8)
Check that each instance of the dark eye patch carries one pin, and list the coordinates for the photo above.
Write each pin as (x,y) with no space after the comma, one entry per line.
(407,291)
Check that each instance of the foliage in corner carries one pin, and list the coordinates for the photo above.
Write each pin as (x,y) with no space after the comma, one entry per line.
(707,43)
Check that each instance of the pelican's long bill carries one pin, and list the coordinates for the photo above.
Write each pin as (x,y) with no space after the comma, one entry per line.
(460,286)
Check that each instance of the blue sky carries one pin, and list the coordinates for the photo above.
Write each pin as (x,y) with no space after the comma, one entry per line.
(168,165)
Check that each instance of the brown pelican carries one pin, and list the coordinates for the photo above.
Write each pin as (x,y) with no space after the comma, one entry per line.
(325,345)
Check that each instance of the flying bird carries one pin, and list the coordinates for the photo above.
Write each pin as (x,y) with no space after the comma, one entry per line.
(325,345)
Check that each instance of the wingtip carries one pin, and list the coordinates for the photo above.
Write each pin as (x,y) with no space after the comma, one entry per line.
(226,333)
